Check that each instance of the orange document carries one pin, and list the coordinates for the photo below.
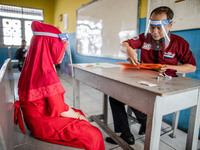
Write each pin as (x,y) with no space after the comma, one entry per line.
(142,65)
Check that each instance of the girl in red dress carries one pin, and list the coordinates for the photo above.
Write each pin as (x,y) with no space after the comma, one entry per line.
(41,96)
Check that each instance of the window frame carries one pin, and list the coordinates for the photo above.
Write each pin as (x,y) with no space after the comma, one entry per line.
(2,45)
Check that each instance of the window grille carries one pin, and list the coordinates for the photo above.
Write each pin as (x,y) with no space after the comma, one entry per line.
(16,24)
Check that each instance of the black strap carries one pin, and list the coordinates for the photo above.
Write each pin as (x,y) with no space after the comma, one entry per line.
(156,52)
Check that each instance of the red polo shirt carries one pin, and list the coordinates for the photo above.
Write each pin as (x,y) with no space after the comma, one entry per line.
(177,51)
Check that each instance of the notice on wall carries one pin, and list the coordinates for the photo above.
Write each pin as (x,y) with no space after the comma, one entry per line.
(65,21)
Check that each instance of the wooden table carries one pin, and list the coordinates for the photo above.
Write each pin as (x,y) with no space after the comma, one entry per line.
(170,95)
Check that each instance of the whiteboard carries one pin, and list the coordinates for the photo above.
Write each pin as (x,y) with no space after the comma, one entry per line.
(103,25)
(186,12)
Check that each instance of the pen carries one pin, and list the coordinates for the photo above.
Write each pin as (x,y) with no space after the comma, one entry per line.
(89,65)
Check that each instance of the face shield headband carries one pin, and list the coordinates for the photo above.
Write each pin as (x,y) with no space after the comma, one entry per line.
(157,29)
(62,36)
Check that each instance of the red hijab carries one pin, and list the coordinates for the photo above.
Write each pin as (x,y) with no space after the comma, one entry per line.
(38,78)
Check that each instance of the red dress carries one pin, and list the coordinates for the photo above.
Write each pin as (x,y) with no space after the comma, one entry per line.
(41,96)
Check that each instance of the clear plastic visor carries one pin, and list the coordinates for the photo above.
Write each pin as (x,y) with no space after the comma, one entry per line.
(158,30)
(66,64)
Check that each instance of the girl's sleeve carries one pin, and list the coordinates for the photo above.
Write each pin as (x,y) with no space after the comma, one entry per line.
(57,105)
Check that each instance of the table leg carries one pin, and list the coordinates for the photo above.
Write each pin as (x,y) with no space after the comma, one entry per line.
(105,109)
(175,124)
(153,127)
(76,94)
(193,129)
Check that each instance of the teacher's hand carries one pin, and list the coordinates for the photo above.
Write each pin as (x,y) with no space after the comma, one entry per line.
(132,57)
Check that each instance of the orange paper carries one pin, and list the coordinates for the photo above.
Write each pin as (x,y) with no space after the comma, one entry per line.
(142,65)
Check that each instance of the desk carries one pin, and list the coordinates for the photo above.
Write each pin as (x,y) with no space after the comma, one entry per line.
(170,95)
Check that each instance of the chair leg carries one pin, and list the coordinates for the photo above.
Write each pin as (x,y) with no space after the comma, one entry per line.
(175,124)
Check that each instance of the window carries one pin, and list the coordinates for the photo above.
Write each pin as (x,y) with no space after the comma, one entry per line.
(12,31)
(15,24)
(28,31)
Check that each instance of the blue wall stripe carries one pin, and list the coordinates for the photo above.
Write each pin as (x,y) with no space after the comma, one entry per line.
(193,38)
(4,54)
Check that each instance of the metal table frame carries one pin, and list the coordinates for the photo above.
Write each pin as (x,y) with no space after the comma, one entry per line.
(169,96)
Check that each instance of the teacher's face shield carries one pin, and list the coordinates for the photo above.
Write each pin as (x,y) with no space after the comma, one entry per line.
(158,30)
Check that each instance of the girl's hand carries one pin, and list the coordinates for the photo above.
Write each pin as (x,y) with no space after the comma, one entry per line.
(83,118)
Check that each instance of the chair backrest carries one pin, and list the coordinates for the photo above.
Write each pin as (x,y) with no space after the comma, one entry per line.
(6,106)
(183,74)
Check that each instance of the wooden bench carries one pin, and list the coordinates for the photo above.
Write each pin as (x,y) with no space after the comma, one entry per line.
(6,106)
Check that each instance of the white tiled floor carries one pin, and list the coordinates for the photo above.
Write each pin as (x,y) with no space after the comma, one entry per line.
(91,103)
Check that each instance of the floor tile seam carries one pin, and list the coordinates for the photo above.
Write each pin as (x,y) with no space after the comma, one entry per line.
(93,113)
(114,147)
(168,144)
(18,145)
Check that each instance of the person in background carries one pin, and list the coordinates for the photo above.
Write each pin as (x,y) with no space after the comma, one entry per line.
(41,96)
(157,46)
(20,55)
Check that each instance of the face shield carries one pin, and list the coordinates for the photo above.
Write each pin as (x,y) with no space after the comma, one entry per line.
(157,34)
(67,60)
(66,64)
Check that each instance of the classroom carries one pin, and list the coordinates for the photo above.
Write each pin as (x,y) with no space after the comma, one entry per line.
(100,74)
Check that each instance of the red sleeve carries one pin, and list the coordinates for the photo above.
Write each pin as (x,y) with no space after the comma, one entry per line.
(186,56)
(136,42)
(57,105)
